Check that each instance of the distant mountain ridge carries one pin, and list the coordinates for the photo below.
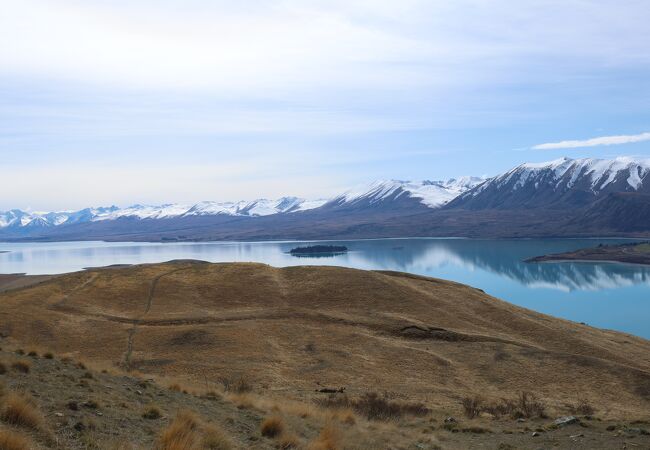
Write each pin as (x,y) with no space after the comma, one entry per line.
(430,193)
(561,198)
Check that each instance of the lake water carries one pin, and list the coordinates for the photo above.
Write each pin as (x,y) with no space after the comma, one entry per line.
(607,295)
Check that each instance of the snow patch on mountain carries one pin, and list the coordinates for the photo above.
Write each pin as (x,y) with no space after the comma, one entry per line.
(432,194)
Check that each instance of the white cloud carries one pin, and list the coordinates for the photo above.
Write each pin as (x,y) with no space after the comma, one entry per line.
(594,142)
(274,48)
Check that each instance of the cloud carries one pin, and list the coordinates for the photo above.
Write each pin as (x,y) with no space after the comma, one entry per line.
(594,142)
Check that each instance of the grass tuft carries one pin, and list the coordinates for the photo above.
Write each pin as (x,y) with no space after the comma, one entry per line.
(10,440)
(272,426)
(188,432)
(180,434)
(20,411)
(288,441)
(214,438)
(328,439)
(152,413)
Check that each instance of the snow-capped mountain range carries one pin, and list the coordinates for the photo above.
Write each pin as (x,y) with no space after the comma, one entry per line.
(563,186)
(430,193)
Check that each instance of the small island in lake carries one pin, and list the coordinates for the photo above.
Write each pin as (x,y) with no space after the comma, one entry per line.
(318,250)
(633,253)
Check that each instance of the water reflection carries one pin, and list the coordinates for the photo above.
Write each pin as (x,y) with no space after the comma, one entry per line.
(459,259)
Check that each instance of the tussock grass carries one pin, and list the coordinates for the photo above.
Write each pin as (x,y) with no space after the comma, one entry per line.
(3,368)
(188,432)
(272,426)
(328,439)
(21,411)
(10,440)
(152,413)
(214,438)
(287,441)
(180,434)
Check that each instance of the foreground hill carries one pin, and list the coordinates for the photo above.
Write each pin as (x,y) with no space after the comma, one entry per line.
(297,328)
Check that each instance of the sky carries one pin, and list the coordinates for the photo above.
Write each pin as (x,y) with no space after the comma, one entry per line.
(142,101)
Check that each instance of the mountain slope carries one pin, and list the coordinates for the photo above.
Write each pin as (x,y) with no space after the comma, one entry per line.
(563,183)
(397,194)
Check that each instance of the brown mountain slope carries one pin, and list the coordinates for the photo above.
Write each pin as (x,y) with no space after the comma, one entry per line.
(294,329)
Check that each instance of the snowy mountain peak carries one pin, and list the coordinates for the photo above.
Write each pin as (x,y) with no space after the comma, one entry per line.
(600,172)
(432,194)
(563,181)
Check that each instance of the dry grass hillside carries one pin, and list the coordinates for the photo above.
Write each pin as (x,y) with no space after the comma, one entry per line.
(430,348)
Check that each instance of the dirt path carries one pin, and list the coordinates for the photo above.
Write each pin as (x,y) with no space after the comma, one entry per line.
(138,320)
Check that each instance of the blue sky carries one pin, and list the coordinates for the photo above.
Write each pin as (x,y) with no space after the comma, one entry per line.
(106,102)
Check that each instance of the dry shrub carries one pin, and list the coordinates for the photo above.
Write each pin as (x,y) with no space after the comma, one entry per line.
(48,355)
(32,353)
(328,439)
(526,405)
(3,368)
(375,407)
(530,406)
(472,406)
(239,385)
(10,440)
(21,411)
(21,366)
(582,408)
(272,426)
(188,432)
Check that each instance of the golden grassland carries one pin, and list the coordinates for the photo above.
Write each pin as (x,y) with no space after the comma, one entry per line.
(394,354)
